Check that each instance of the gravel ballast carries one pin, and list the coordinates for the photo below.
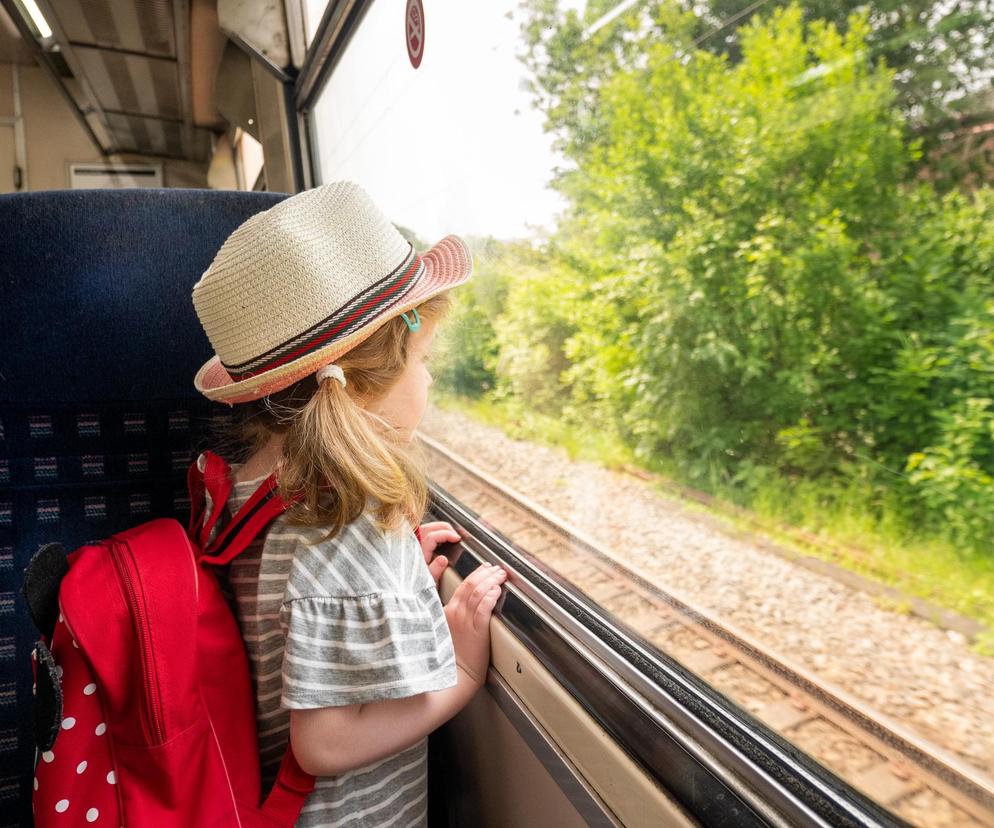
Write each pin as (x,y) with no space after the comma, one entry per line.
(919,675)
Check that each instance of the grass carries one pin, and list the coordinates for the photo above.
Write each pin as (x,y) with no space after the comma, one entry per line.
(599,447)
(834,524)
(838,526)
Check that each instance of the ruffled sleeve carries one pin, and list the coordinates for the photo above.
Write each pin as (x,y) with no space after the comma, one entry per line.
(362,648)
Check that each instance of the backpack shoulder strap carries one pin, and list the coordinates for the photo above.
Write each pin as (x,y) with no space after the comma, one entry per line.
(289,791)
(212,476)
(264,505)
(209,476)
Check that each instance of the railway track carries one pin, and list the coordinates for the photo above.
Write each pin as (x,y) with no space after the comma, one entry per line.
(915,779)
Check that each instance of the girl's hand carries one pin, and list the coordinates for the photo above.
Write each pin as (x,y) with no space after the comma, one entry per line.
(468,613)
(432,534)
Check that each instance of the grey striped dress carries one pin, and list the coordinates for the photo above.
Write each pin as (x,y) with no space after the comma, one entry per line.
(336,622)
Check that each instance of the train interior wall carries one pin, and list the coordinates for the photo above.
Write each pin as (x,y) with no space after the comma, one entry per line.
(54,138)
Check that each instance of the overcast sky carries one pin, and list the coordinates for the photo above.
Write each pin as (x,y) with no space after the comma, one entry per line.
(453,146)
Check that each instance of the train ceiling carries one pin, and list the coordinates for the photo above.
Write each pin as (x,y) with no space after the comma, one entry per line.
(132,75)
(12,48)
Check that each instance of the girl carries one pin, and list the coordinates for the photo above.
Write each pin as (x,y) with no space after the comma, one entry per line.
(322,316)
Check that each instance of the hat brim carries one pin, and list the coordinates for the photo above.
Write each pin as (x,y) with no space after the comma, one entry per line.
(446,265)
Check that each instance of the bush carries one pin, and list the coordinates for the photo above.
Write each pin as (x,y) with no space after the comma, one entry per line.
(748,284)
(466,345)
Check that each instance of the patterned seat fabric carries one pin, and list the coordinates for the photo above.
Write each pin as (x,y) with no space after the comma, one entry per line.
(98,416)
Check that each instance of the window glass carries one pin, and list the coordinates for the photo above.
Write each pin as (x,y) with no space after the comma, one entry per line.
(313,10)
(732,322)
(451,147)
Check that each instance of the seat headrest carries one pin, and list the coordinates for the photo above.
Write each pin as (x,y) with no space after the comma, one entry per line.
(96,290)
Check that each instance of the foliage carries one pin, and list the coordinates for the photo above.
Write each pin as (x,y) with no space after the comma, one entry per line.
(942,54)
(466,349)
(729,212)
(746,288)
(746,284)
(531,337)
(954,475)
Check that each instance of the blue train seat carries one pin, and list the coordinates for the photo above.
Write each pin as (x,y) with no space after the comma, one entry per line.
(98,415)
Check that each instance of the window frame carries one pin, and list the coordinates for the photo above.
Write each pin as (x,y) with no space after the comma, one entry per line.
(340,21)
(697,744)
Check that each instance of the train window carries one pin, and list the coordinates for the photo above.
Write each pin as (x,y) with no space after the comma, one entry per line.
(724,371)
(313,9)
(420,130)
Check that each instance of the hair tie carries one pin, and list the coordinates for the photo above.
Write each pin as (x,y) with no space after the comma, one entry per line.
(414,325)
(331,371)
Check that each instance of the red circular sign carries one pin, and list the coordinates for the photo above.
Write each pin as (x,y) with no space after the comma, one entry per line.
(414,31)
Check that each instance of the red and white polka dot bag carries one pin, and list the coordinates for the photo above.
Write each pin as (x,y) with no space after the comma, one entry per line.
(145,714)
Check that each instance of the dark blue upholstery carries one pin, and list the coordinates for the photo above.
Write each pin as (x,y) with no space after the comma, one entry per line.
(98,415)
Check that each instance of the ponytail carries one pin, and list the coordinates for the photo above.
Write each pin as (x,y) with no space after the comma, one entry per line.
(339,459)
(342,460)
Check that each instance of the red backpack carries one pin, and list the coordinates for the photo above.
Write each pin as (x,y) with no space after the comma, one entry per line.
(145,712)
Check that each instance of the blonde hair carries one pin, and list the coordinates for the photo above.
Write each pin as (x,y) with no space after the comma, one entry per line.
(338,459)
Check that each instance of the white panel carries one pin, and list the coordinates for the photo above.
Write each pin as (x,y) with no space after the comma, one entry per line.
(114,176)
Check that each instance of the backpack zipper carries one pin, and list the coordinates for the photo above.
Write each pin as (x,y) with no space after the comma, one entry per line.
(152,720)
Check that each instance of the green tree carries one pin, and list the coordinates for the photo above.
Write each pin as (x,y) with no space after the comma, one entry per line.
(729,210)
(467,349)
(942,54)
(745,278)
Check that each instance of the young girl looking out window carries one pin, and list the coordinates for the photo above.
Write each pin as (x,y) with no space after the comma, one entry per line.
(322,317)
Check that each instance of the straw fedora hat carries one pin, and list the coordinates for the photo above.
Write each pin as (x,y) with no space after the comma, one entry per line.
(297,285)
